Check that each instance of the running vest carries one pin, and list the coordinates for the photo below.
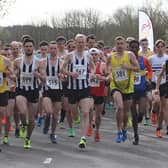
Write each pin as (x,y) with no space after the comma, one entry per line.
(122,79)
(140,77)
(156,64)
(26,80)
(97,87)
(3,81)
(52,79)
(79,65)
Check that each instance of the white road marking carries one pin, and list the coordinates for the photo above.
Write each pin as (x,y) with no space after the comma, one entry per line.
(47,161)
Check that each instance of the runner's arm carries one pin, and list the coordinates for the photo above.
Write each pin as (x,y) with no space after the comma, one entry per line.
(149,68)
(64,65)
(160,76)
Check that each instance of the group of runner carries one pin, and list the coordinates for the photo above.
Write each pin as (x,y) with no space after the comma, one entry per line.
(72,78)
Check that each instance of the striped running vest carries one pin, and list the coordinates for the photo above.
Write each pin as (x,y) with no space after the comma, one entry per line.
(79,65)
(26,80)
(52,79)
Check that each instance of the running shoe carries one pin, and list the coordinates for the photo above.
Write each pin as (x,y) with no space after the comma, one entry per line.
(136,140)
(61,125)
(82,143)
(5,140)
(23,132)
(119,138)
(89,131)
(124,135)
(97,137)
(129,122)
(53,138)
(146,121)
(27,144)
(71,132)
(159,133)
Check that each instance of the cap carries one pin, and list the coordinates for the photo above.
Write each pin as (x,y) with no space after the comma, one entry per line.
(94,51)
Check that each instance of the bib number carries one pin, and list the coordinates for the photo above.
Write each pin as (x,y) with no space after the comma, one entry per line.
(120,74)
(27,79)
(94,82)
(1,79)
(52,82)
(81,70)
(137,78)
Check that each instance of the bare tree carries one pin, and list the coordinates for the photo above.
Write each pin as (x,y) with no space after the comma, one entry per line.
(5,6)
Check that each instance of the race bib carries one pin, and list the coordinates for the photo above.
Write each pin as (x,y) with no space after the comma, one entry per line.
(120,74)
(27,79)
(137,78)
(1,79)
(94,82)
(82,70)
(52,82)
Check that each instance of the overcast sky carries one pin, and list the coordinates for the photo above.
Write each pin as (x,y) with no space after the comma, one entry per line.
(28,11)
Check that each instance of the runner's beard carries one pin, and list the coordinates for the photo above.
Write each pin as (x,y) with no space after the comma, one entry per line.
(29,54)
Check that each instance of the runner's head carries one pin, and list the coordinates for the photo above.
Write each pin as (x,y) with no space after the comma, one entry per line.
(144,44)
(166,50)
(15,48)
(128,40)
(7,51)
(120,43)
(43,47)
(95,53)
(70,45)
(80,42)
(134,46)
(61,43)
(28,46)
(160,47)
(91,41)
(53,48)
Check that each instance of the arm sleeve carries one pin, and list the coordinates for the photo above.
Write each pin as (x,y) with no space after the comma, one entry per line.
(149,68)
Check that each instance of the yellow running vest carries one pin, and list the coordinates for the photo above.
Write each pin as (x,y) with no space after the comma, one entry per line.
(122,79)
(3,82)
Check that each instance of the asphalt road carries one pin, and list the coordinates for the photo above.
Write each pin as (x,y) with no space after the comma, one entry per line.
(151,153)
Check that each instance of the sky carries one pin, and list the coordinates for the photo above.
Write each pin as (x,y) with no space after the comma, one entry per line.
(33,11)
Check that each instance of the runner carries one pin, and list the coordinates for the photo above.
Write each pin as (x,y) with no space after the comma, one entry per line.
(164,71)
(159,101)
(146,52)
(12,94)
(79,92)
(97,85)
(6,71)
(61,53)
(123,64)
(43,54)
(140,92)
(52,94)
(27,91)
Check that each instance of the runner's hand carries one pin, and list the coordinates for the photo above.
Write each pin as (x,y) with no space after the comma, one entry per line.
(74,74)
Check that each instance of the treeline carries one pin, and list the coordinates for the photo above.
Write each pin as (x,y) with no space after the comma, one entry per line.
(123,22)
